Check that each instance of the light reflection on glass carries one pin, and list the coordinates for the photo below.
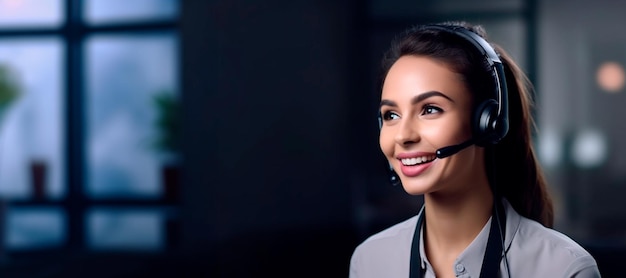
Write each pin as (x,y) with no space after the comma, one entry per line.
(35,228)
(31,130)
(124,73)
(31,13)
(115,11)
(125,229)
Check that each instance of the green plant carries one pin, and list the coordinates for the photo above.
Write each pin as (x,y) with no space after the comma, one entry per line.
(167,122)
(9,88)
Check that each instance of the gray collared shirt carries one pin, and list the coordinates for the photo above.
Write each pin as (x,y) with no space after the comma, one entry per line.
(532,250)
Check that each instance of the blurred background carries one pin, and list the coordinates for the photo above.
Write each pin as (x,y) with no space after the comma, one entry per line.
(238,138)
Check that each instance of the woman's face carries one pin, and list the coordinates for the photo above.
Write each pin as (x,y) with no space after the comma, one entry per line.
(425,106)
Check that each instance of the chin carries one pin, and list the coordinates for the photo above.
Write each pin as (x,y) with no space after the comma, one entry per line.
(413,188)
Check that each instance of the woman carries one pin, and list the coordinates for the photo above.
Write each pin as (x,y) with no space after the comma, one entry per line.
(456,125)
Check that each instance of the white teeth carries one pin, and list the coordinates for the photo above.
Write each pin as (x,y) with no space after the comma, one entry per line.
(417,160)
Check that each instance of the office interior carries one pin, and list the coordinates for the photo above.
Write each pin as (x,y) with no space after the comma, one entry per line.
(238,138)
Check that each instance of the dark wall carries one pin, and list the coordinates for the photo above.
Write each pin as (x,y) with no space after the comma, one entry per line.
(267,92)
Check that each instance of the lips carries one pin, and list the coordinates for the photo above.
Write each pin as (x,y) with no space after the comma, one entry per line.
(413,164)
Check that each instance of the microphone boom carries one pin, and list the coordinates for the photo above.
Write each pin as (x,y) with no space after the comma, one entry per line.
(450,150)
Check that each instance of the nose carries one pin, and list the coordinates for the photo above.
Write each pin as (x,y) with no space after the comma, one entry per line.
(407,133)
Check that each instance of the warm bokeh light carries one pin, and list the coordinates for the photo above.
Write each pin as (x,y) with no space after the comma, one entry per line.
(610,77)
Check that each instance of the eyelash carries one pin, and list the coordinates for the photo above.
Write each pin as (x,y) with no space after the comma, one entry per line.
(387,115)
(428,107)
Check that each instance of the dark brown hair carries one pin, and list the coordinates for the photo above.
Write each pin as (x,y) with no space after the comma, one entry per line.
(518,173)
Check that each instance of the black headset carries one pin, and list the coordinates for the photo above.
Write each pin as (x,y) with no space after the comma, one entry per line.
(491,117)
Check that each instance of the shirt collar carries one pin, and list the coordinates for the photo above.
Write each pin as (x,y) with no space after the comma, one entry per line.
(425,264)
(513,220)
(424,261)
(470,260)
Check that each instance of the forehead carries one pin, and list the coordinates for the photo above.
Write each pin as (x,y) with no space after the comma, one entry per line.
(416,74)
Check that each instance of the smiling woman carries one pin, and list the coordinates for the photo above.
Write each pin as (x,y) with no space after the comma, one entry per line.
(426,108)
(453,107)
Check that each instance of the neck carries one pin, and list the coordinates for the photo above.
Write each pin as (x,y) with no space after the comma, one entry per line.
(453,221)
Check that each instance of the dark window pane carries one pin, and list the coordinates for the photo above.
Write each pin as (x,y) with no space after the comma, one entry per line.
(124,74)
(128,229)
(31,13)
(117,11)
(412,8)
(32,126)
(35,228)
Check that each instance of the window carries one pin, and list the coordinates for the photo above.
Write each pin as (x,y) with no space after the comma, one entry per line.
(88,118)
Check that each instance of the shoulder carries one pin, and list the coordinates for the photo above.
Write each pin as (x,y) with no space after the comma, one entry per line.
(384,252)
(552,240)
(549,251)
(398,235)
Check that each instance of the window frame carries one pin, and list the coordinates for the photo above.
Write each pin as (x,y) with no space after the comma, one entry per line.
(73,32)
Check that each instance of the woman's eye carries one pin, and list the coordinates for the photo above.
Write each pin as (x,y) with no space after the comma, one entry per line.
(429,109)
(388,115)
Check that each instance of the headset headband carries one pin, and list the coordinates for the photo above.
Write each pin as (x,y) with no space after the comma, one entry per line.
(501,125)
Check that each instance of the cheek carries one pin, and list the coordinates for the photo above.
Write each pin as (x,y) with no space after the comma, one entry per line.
(450,132)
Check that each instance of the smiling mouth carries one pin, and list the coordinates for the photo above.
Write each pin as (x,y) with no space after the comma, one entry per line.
(417,160)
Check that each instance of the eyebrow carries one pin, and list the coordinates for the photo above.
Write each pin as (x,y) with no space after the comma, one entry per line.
(417,99)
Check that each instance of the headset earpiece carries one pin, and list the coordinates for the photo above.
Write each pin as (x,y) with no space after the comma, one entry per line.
(485,124)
